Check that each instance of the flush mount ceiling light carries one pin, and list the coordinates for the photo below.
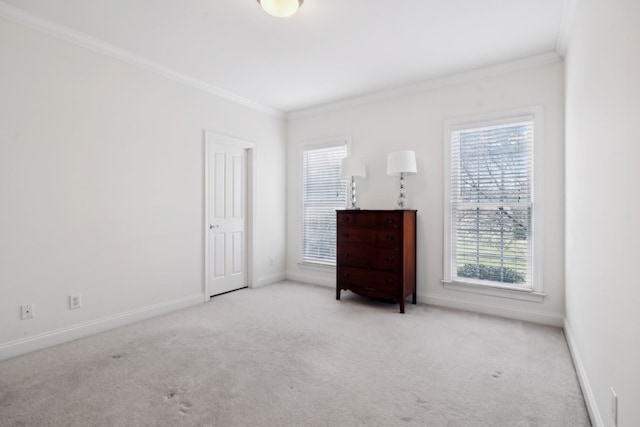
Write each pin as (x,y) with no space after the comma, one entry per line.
(280,8)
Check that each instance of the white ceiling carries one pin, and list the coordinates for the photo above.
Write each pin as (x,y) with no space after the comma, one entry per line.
(329,51)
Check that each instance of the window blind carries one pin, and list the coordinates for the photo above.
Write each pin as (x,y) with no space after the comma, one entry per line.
(491,203)
(324,191)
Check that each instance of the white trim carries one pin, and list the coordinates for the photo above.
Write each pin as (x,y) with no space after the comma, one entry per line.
(545,318)
(435,83)
(538,198)
(313,279)
(569,8)
(522,295)
(51,28)
(491,119)
(317,266)
(306,145)
(583,378)
(325,142)
(269,280)
(210,138)
(63,335)
(537,290)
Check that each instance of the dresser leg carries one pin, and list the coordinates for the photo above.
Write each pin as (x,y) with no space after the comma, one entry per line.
(402,305)
(338,294)
(414,300)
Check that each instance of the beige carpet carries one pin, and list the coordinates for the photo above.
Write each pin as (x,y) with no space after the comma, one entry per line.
(291,355)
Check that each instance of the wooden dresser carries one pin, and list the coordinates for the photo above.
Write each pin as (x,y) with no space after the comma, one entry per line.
(377,254)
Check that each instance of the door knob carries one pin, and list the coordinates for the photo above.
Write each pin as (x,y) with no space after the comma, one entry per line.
(211,226)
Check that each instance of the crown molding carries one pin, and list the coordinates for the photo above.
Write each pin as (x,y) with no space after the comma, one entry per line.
(569,8)
(51,28)
(451,80)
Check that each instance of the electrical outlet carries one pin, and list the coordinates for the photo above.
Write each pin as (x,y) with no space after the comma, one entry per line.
(614,407)
(75,301)
(27,311)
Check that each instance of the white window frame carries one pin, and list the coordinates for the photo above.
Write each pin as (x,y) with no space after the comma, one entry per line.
(311,145)
(536,293)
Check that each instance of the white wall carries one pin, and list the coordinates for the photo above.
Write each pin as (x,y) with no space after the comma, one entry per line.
(415,122)
(602,188)
(101,187)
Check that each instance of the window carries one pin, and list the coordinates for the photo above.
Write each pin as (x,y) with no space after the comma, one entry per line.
(323,192)
(490,209)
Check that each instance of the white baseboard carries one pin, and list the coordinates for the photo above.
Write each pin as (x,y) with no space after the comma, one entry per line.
(59,336)
(551,319)
(587,391)
(310,278)
(268,280)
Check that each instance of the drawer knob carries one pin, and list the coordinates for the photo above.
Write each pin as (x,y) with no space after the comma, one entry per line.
(389,281)
(345,274)
(345,235)
(389,259)
(347,255)
(346,219)
(389,220)
(389,236)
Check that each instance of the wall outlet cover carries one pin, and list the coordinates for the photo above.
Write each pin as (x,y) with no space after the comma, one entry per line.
(27,311)
(75,301)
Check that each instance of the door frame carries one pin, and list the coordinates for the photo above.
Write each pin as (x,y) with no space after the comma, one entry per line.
(211,138)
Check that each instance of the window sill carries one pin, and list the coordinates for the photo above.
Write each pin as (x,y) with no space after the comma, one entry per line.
(522,295)
(317,266)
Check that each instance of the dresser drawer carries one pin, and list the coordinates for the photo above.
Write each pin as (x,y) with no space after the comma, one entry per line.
(351,276)
(361,278)
(348,235)
(374,292)
(387,280)
(355,255)
(388,238)
(347,218)
(388,259)
(389,220)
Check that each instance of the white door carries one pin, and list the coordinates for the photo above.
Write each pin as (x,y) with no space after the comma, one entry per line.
(227,217)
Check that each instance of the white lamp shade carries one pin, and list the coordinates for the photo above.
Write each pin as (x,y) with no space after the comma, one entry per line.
(353,167)
(280,8)
(401,162)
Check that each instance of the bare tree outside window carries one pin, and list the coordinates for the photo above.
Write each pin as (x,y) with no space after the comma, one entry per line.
(491,202)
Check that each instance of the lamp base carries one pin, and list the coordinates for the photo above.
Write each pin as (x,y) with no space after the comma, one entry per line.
(353,195)
(402,199)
